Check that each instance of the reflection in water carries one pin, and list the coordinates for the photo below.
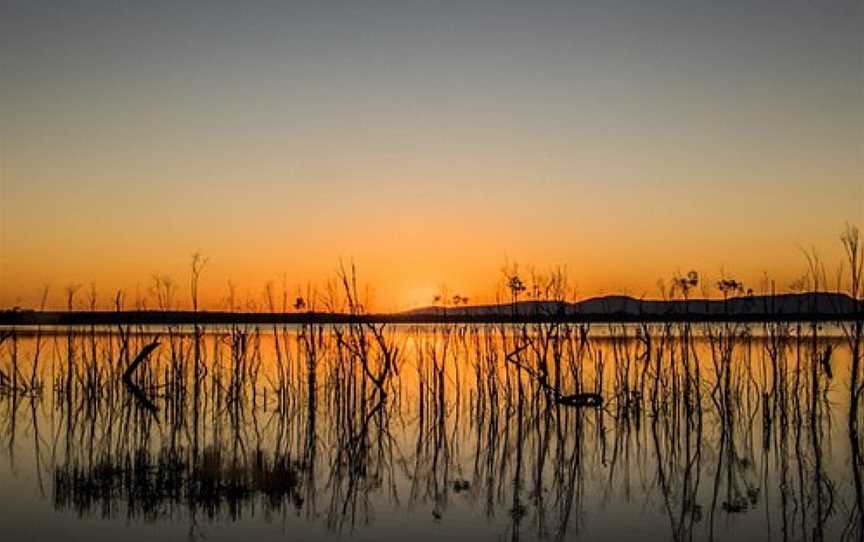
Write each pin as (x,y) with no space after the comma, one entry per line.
(705,432)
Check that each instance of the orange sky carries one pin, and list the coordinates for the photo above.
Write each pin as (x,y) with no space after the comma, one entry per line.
(429,143)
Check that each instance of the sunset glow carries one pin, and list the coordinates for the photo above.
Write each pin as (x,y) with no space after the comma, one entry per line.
(429,146)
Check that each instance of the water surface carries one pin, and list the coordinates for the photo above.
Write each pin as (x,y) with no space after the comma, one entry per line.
(712,432)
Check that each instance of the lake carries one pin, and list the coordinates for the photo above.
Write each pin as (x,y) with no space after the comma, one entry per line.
(722,432)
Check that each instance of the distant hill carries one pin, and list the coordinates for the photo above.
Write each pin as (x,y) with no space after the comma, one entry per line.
(825,304)
(616,308)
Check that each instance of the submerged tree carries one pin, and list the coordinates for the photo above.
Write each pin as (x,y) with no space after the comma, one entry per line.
(686,283)
(198,263)
(514,284)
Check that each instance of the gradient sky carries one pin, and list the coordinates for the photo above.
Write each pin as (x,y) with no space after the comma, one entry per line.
(430,141)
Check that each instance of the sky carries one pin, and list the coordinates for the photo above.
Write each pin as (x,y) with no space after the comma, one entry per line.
(430,142)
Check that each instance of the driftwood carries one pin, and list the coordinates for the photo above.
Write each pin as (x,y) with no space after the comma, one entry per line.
(137,392)
(577,400)
(142,398)
(139,359)
(581,400)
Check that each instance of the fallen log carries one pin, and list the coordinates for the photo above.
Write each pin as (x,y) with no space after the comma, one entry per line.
(580,400)
(142,398)
(577,400)
(139,359)
(137,392)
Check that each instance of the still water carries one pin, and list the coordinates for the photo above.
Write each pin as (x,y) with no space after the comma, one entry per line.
(706,432)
